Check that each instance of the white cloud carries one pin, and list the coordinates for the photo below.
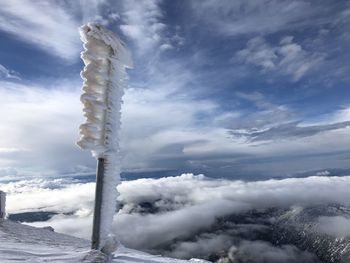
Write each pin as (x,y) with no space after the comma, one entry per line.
(8,74)
(201,247)
(287,58)
(160,131)
(46,25)
(342,115)
(267,114)
(41,195)
(198,190)
(183,141)
(8,171)
(233,18)
(260,251)
(42,125)
(174,129)
(142,23)
(52,26)
(337,226)
(323,173)
(183,207)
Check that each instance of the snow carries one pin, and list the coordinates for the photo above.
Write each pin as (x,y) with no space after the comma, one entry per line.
(106,59)
(20,243)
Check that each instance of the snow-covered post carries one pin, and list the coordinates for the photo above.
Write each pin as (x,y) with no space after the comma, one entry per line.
(106,59)
(2,204)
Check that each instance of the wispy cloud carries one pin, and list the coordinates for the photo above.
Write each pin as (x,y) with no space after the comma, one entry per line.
(286,58)
(8,74)
(270,122)
(233,18)
(264,114)
(46,25)
(290,130)
(52,26)
(142,22)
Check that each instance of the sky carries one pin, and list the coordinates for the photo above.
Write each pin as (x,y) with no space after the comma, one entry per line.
(234,89)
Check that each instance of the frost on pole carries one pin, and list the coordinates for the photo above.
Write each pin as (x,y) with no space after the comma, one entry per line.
(106,59)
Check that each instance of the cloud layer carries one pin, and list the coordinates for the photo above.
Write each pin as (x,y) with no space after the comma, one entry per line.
(181,216)
(151,141)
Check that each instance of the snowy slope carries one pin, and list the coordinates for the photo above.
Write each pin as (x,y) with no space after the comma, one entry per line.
(20,243)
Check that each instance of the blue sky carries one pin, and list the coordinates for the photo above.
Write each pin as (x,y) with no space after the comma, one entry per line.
(238,89)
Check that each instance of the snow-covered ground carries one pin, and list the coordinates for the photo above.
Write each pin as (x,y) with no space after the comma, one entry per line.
(20,243)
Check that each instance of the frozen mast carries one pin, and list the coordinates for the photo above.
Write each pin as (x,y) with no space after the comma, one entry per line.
(106,59)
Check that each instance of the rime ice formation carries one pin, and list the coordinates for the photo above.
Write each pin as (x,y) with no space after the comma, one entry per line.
(106,59)
(104,75)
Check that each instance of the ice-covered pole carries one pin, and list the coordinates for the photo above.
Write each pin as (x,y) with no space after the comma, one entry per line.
(106,59)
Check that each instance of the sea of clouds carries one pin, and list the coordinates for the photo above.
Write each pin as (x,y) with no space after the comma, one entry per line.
(189,215)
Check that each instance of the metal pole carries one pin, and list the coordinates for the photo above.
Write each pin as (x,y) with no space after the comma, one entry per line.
(96,225)
(2,204)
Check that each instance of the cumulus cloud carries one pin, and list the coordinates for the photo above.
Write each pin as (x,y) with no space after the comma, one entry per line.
(199,190)
(44,195)
(287,58)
